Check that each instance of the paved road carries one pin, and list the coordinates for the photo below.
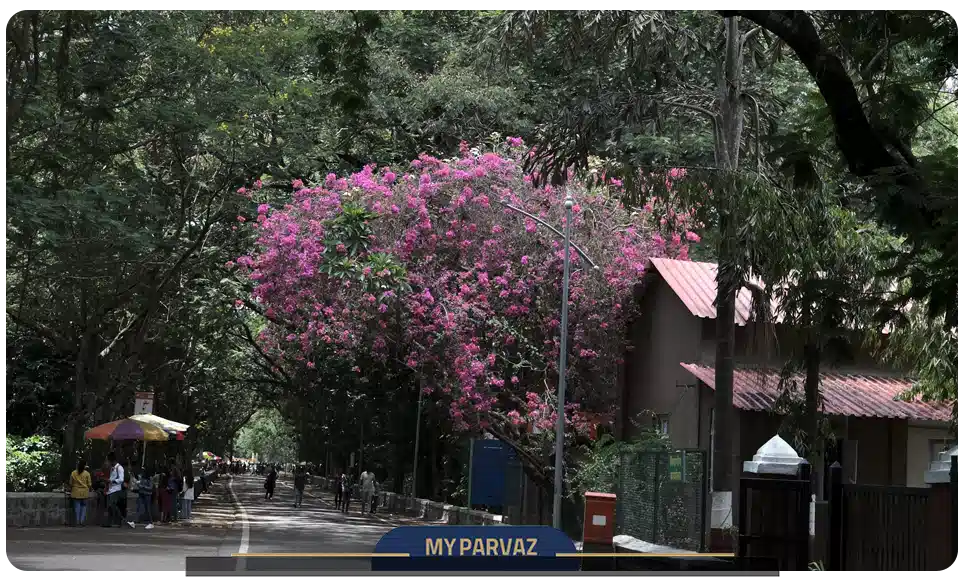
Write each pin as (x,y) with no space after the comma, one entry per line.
(233,517)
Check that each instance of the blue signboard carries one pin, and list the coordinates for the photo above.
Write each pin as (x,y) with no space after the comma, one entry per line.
(474,548)
(490,461)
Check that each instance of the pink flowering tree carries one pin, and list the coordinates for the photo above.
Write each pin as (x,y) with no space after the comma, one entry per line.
(430,269)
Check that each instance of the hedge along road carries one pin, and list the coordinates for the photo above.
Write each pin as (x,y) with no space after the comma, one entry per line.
(233,510)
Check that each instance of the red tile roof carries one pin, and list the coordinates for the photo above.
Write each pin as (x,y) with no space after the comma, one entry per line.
(695,284)
(851,395)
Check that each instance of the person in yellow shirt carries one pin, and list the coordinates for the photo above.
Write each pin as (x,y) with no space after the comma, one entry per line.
(80,491)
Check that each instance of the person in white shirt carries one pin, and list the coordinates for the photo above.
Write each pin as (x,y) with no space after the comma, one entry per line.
(115,492)
(187,496)
(367,482)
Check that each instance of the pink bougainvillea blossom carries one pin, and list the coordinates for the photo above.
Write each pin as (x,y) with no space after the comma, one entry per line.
(448,282)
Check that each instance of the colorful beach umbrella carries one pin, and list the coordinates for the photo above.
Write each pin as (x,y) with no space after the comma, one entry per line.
(127,429)
(207,455)
(167,425)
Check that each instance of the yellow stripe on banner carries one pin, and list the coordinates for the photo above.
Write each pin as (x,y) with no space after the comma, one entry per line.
(558,555)
(642,555)
(320,555)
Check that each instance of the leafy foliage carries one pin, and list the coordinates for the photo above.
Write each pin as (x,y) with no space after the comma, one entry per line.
(928,351)
(130,132)
(268,438)
(598,466)
(32,464)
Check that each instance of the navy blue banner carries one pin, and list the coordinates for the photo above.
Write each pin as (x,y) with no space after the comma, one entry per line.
(475,548)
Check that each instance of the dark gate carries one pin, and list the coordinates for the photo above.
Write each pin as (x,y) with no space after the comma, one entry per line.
(774,519)
(885,527)
(875,528)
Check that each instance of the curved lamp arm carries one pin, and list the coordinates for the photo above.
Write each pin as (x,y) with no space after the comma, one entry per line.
(553,229)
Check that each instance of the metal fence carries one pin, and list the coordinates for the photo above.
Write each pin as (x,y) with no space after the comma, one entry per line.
(662,498)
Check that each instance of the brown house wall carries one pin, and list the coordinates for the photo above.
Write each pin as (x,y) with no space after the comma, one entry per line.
(667,334)
(664,335)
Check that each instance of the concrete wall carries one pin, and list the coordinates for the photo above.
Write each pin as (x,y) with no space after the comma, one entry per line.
(436,512)
(28,509)
(664,335)
(918,451)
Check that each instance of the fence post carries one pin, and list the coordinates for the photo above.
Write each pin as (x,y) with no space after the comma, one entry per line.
(656,461)
(834,495)
(953,509)
(704,507)
(805,502)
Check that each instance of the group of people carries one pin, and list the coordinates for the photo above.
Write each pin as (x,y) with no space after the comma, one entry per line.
(168,488)
(300,481)
(367,487)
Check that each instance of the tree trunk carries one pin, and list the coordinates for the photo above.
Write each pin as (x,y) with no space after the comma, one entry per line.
(731,96)
(725,476)
(723,383)
(73,431)
(811,354)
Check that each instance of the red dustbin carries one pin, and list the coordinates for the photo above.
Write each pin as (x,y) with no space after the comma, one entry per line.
(599,521)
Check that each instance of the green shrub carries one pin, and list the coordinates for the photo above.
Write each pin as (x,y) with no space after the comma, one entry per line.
(33,464)
(597,469)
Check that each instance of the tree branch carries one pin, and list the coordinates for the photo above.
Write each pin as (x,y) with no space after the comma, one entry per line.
(862,146)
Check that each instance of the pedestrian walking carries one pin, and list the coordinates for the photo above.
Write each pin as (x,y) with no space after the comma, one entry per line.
(301,479)
(346,488)
(204,483)
(175,484)
(269,483)
(375,494)
(101,485)
(338,488)
(116,493)
(145,495)
(163,496)
(187,496)
(126,487)
(367,483)
(79,486)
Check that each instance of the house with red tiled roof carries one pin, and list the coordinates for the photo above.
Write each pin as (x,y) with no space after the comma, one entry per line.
(669,373)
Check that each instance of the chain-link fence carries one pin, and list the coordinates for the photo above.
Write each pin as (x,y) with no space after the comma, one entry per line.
(661,498)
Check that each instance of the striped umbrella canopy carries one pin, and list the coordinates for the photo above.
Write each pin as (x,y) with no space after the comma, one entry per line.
(127,429)
(207,455)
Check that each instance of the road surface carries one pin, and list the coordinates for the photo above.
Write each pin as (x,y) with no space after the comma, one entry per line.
(234,517)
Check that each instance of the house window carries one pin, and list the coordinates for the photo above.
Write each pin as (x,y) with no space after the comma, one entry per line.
(662,424)
(936,447)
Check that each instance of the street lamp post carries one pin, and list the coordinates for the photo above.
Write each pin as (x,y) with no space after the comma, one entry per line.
(561,410)
(418,423)
(564,334)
